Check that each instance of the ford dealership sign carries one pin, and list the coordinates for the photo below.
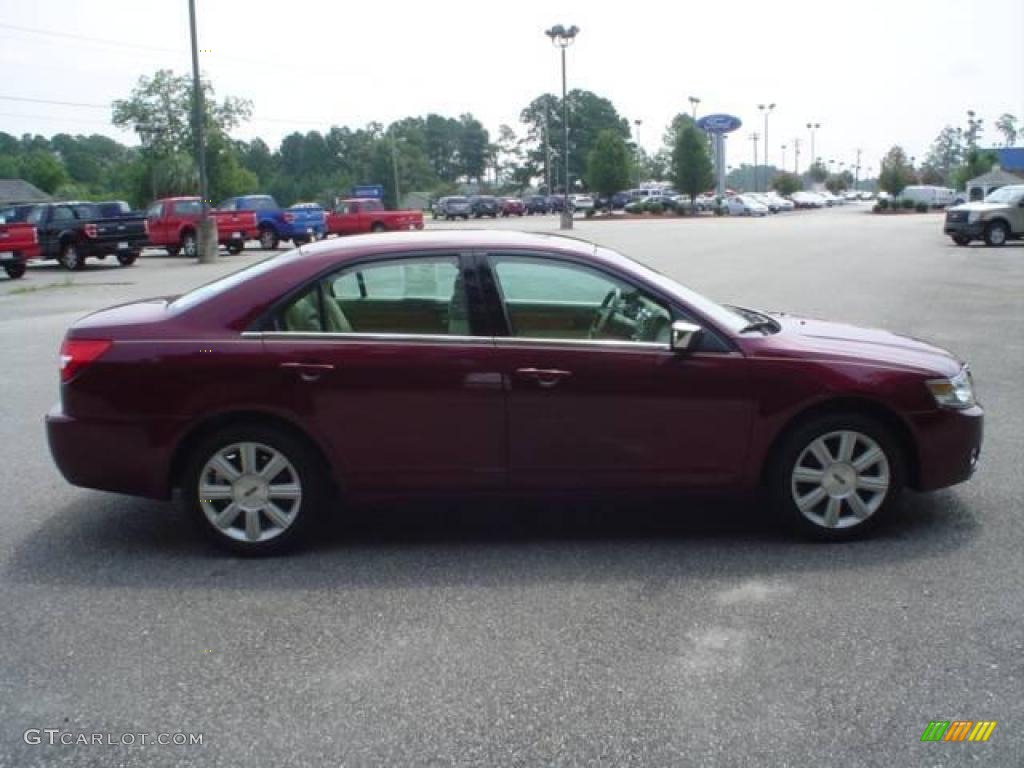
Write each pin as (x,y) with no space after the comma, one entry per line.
(719,123)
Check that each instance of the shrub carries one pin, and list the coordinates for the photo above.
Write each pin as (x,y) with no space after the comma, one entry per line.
(908,205)
(921,207)
(883,204)
(634,206)
(655,208)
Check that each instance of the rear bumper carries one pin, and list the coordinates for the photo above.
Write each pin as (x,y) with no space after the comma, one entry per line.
(948,446)
(975,229)
(108,456)
(236,235)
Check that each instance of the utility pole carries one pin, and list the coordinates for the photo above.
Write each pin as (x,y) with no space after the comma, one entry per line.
(547,146)
(767,109)
(796,156)
(207,226)
(754,137)
(639,149)
(783,158)
(856,171)
(394,167)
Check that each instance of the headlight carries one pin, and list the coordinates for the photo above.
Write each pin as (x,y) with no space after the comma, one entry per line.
(973,216)
(957,392)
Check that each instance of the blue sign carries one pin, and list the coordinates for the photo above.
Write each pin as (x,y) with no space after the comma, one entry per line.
(719,123)
(369,190)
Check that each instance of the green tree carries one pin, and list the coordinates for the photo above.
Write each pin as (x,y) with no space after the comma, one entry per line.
(41,168)
(817,173)
(896,172)
(608,165)
(691,166)
(1007,125)
(786,183)
(977,163)
(945,154)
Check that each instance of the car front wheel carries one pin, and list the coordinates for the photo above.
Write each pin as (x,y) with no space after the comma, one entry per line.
(254,490)
(836,476)
(15,270)
(961,240)
(70,257)
(996,234)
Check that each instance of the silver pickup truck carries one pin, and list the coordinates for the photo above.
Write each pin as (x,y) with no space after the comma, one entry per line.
(1000,217)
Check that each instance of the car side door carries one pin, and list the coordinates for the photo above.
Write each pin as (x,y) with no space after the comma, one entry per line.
(597,399)
(155,222)
(385,360)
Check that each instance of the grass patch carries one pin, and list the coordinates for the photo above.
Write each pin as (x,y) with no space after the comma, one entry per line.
(68,283)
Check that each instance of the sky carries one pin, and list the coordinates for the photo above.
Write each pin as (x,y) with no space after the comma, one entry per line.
(872,73)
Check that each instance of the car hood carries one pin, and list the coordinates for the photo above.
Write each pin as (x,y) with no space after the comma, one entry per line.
(805,336)
(978,206)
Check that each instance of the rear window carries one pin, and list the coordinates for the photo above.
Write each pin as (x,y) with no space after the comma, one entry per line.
(86,211)
(206,292)
(258,204)
(188,207)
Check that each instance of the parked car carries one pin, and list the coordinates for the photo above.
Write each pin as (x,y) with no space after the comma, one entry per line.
(781,203)
(174,222)
(452,208)
(619,200)
(581,203)
(362,368)
(536,204)
(19,243)
(764,200)
(512,206)
(484,205)
(275,223)
(357,216)
(933,197)
(807,200)
(556,203)
(744,205)
(998,219)
(73,232)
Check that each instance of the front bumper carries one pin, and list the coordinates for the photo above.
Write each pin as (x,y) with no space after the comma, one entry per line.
(109,456)
(963,228)
(948,446)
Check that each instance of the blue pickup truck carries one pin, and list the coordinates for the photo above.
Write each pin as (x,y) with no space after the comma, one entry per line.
(300,225)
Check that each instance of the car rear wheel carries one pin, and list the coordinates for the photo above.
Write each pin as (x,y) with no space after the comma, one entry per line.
(996,234)
(377,227)
(173,250)
(16,270)
(254,490)
(127,259)
(961,240)
(268,240)
(235,248)
(70,257)
(835,477)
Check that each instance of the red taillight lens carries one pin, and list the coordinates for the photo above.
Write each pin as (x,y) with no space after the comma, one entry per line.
(145,225)
(35,236)
(76,354)
(289,217)
(89,230)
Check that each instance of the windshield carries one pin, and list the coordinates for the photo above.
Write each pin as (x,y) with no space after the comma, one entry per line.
(718,314)
(1006,195)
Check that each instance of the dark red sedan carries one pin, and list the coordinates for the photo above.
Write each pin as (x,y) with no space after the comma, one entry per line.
(409,364)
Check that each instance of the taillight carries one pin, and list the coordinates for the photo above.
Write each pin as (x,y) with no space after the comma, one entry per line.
(76,354)
(289,217)
(89,230)
(145,225)
(35,236)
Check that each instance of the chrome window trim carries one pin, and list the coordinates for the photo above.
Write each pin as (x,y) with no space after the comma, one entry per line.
(423,338)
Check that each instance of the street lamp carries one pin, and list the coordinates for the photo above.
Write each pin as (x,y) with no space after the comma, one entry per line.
(767,109)
(796,156)
(694,101)
(639,149)
(754,137)
(783,157)
(812,127)
(563,38)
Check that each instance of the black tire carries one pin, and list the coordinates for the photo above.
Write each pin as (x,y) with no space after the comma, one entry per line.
(377,227)
(305,465)
(961,240)
(235,248)
(189,245)
(268,239)
(70,257)
(15,270)
(299,241)
(783,486)
(996,234)
(127,259)
(173,250)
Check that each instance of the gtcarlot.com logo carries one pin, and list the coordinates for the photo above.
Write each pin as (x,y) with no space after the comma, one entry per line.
(55,737)
(958,730)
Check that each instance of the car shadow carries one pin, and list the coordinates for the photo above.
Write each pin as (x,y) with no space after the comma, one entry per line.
(101,540)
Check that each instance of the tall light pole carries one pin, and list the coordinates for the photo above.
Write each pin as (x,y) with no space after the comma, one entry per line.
(783,147)
(856,170)
(207,226)
(639,149)
(812,127)
(394,167)
(694,101)
(767,109)
(563,38)
(547,146)
(796,155)
(754,137)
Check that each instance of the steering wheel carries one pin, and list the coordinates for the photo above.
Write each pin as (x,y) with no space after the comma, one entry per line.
(605,312)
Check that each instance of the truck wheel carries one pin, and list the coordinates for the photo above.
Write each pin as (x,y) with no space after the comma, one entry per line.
(268,239)
(16,270)
(127,259)
(377,227)
(70,258)
(173,250)
(996,234)
(961,240)
(235,248)
(189,245)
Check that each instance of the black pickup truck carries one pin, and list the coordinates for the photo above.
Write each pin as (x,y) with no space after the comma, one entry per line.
(73,232)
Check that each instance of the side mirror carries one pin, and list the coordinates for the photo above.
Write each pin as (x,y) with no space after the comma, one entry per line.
(684,335)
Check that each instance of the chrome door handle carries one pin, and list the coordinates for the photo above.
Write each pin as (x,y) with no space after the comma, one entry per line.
(546,377)
(308,371)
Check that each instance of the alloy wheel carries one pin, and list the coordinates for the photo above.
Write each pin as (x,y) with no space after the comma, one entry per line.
(840,479)
(250,492)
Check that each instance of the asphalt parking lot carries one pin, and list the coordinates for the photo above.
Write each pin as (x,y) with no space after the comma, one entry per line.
(695,634)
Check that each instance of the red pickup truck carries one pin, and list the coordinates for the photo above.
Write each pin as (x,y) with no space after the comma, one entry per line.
(173,222)
(19,242)
(359,215)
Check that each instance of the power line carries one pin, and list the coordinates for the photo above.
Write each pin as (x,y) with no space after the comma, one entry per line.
(88,39)
(58,103)
(54,118)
